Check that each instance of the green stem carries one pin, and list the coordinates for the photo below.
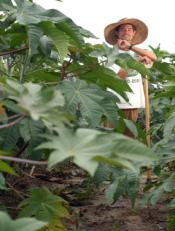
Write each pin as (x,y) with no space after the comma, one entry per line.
(34,162)
(24,64)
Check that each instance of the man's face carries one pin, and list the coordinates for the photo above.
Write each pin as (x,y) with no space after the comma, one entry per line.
(126,32)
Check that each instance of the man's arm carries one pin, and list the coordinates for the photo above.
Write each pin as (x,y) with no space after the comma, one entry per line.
(143,52)
(126,45)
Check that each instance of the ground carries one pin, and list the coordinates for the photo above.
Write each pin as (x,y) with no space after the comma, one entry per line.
(88,206)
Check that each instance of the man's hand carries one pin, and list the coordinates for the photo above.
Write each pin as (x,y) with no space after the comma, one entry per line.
(145,60)
(123,44)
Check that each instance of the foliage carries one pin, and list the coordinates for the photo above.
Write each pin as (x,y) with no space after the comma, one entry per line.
(55,102)
(126,184)
(4,167)
(96,147)
(166,186)
(22,224)
(2,182)
(33,99)
(90,101)
(43,205)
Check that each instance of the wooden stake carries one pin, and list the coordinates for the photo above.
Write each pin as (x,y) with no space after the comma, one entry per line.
(147,123)
(147,111)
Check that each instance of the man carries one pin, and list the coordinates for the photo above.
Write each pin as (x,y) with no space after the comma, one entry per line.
(126,34)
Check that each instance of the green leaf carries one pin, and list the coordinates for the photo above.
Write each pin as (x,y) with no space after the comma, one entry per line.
(30,13)
(127,153)
(70,144)
(102,173)
(126,184)
(172,204)
(2,182)
(34,35)
(6,5)
(72,30)
(43,205)
(6,168)
(90,100)
(165,68)
(59,38)
(23,224)
(43,76)
(165,149)
(169,126)
(56,225)
(130,124)
(126,59)
(31,129)
(9,138)
(46,45)
(34,99)
(104,77)
(168,185)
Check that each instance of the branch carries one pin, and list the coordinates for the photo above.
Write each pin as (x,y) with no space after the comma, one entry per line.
(13,51)
(62,72)
(34,162)
(64,67)
(12,123)
(12,117)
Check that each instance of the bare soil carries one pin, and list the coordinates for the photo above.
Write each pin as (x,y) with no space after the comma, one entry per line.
(88,206)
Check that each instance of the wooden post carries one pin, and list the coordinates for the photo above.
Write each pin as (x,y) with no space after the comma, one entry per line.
(147,111)
(147,123)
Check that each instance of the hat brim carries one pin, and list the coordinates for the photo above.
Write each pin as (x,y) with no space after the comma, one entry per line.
(139,37)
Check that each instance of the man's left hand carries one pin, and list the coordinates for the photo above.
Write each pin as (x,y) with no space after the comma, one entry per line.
(145,60)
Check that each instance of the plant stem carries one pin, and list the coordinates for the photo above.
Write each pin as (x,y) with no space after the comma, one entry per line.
(13,51)
(12,117)
(12,123)
(34,162)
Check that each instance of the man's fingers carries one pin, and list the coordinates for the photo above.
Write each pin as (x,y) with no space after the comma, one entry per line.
(145,60)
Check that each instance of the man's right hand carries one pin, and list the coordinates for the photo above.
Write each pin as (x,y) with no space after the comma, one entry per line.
(123,44)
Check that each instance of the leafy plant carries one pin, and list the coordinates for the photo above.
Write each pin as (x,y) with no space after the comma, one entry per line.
(22,224)
(43,205)
(54,104)
(126,184)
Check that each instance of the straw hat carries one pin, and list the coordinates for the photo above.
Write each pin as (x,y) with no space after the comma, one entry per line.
(140,35)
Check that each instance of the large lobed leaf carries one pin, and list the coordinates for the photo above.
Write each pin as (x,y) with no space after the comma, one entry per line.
(103,77)
(82,145)
(22,224)
(34,99)
(34,35)
(153,197)
(127,153)
(127,61)
(28,12)
(126,183)
(88,147)
(90,100)
(59,38)
(43,205)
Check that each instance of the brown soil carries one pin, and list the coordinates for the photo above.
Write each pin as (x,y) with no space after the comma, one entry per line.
(89,208)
